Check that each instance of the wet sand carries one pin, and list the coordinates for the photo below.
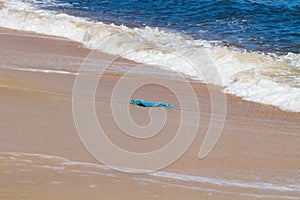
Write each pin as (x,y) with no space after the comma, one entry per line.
(259,144)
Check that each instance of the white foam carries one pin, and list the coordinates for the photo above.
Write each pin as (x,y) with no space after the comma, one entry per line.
(58,182)
(93,185)
(31,182)
(259,78)
(54,167)
(257,186)
(166,184)
(224,182)
(52,71)
(26,170)
(255,87)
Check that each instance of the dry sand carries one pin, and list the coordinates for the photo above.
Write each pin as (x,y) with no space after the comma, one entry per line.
(258,144)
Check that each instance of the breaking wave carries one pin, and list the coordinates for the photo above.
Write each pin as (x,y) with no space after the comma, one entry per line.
(264,78)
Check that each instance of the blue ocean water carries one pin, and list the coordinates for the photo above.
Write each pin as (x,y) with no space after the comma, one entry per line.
(259,25)
(261,65)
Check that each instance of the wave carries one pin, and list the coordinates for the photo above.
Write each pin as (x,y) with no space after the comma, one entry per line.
(32,161)
(264,78)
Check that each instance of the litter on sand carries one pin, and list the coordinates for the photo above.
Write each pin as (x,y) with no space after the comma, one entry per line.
(145,103)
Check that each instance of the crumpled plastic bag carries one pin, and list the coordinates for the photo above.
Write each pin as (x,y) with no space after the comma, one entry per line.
(145,103)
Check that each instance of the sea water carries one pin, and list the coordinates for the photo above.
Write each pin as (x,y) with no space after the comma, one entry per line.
(30,166)
(254,45)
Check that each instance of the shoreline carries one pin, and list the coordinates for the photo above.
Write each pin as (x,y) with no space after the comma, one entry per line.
(262,76)
(258,141)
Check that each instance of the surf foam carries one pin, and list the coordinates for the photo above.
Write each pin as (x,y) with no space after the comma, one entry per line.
(265,79)
(58,163)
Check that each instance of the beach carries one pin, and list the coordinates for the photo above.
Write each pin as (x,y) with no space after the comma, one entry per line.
(42,156)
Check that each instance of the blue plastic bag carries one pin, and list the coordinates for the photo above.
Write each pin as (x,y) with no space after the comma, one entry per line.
(145,103)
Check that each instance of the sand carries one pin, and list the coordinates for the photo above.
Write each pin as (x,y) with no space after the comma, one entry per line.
(258,144)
